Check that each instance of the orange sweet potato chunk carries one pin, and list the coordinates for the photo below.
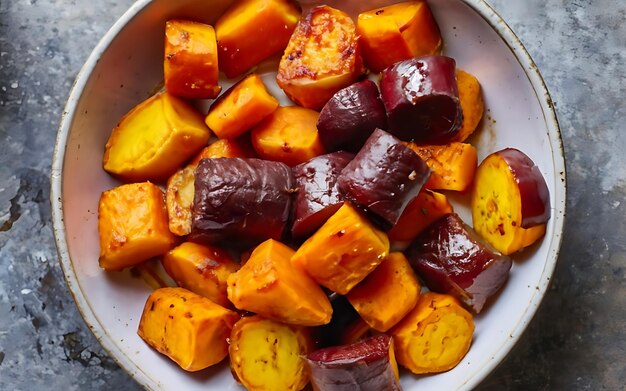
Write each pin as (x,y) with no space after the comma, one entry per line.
(252,30)
(132,225)
(190,67)
(472,104)
(453,165)
(240,108)
(435,336)
(234,147)
(201,269)
(188,328)
(343,251)
(288,135)
(179,196)
(322,57)
(269,285)
(386,294)
(397,32)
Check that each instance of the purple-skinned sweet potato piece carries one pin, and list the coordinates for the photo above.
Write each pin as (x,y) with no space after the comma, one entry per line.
(422,100)
(452,258)
(317,197)
(350,117)
(240,201)
(367,365)
(383,177)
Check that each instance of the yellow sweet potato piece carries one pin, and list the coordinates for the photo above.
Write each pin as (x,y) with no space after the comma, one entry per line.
(186,327)
(343,251)
(269,285)
(288,135)
(269,356)
(453,165)
(132,225)
(435,336)
(472,104)
(235,147)
(426,208)
(252,30)
(322,57)
(240,108)
(179,196)
(190,66)
(397,32)
(386,294)
(201,269)
(154,139)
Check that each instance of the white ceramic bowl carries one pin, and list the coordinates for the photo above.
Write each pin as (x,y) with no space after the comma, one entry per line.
(125,68)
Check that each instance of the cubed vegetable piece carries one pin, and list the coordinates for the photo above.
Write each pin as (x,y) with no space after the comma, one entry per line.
(397,32)
(288,135)
(153,140)
(252,30)
(435,336)
(472,104)
(317,198)
(367,365)
(269,285)
(240,108)
(351,116)
(422,211)
(451,258)
(186,327)
(322,57)
(241,201)
(132,223)
(235,147)
(179,200)
(510,201)
(343,251)
(383,177)
(387,294)
(269,356)
(422,100)
(453,165)
(201,269)
(190,66)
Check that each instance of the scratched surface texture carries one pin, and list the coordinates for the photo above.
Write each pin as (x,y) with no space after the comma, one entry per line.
(576,341)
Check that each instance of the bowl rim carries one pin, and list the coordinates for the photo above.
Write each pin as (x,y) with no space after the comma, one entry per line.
(482,8)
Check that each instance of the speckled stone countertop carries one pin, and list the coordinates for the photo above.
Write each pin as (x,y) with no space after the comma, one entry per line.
(577,340)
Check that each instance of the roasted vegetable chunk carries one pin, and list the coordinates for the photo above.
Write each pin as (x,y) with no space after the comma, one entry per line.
(269,285)
(343,251)
(451,258)
(234,147)
(383,177)
(435,336)
(322,57)
(132,223)
(367,365)
(387,294)
(186,327)
(472,104)
(241,201)
(252,30)
(510,201)
(453,165)
(317,198)
(190,66)
(269,356)
(201,269)
(153,139)
(397,32)
(179,200)
(240,108)
(351,116)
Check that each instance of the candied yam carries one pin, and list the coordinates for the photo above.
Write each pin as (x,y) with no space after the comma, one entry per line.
(132,225)
(343,251)
(472,104)
(179,200)
(269,285)
(188,328)
(322,57)
(236,147)
(240,108)
(190,66)
(252,30)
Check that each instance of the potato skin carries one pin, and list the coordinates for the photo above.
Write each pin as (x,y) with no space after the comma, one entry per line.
(269,356)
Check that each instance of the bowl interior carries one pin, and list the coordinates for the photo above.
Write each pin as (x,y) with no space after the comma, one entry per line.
(126,68)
